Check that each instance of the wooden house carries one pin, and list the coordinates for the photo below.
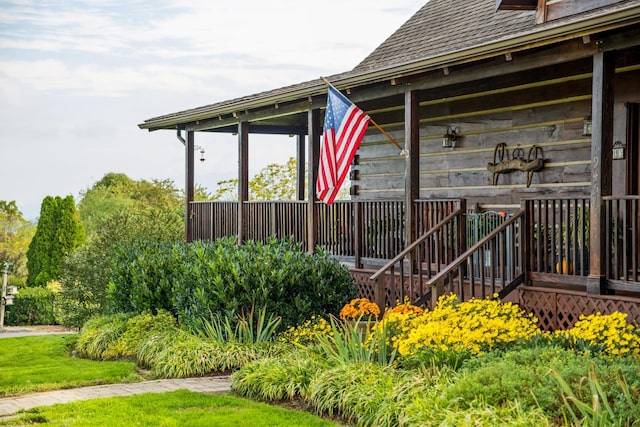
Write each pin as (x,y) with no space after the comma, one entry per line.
(519,175)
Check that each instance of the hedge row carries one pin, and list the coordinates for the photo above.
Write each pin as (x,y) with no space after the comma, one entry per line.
(31,306)
(195,280)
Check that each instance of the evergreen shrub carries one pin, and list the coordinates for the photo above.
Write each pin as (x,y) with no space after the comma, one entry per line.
(31,306)
(196,280)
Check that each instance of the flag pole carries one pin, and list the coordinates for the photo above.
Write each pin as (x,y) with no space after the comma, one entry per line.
(384,132)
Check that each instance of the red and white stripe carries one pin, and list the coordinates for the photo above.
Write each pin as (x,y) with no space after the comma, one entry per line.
(338,149)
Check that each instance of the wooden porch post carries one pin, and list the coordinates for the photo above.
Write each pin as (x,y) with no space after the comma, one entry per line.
(189,183)
(243,179)
(300,162)
(601,146)
(313,119)
(412,171)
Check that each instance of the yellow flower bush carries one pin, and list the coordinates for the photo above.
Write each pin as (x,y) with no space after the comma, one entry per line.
(359,307)
(470,327)
(306,333)
(610,332)
(397,320)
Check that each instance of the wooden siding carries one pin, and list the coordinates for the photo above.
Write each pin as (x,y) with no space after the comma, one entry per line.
(544,108)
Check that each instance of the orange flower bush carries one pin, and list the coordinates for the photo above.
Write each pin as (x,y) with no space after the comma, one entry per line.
(359,307)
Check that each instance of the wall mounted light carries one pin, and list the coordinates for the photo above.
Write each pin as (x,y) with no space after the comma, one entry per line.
(449,139)
(586,126)
(618,150)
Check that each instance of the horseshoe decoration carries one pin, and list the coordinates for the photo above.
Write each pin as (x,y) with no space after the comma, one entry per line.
(503,163)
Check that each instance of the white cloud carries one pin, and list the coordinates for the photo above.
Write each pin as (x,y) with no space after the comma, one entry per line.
(77,77)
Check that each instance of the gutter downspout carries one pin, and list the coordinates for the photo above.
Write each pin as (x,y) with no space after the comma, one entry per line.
(179,136)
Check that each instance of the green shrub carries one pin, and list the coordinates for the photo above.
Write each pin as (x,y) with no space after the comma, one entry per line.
(31,306)
(415,400)
(196,279)
(16,281)
(155,342)
(140,329)
(600,410)
(83,285)
(524,376)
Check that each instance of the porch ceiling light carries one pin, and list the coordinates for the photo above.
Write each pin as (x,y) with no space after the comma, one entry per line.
(450,137)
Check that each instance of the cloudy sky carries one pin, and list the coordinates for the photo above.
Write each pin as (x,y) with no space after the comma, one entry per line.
(76,77)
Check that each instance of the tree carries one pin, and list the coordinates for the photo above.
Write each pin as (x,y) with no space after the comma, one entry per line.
(273,182)
(116,210)
(58,232)
(15,235)
(116,193)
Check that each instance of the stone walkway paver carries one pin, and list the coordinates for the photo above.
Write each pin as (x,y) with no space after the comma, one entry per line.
(11,405)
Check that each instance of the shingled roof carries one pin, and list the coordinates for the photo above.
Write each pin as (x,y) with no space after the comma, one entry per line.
(444,26)
(441,32)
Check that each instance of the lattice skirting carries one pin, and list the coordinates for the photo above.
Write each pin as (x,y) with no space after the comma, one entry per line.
(561,309)
(554,308)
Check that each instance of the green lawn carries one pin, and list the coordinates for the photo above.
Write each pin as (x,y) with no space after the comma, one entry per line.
(40,363)
(179,408)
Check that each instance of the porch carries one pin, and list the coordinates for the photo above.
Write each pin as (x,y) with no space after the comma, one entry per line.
(536,255)
(542,123)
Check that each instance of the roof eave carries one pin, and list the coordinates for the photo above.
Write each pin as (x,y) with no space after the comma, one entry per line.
(540,36)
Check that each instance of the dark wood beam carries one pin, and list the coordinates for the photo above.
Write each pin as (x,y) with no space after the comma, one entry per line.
(300,162)
(314,156)
(620,41)
(265,129)
(189,186)
(570,51)
(243,179)
(601,163)
(412,146)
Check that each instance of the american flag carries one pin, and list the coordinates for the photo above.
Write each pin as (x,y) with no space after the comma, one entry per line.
(344,128)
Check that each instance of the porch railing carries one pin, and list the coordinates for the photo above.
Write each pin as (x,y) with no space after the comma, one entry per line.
(361,230)
(213,220)
(479,224)
(355,231)
(558,241)
(550,244)
(502,271)
(623,238)
(277,219)
(405,275)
